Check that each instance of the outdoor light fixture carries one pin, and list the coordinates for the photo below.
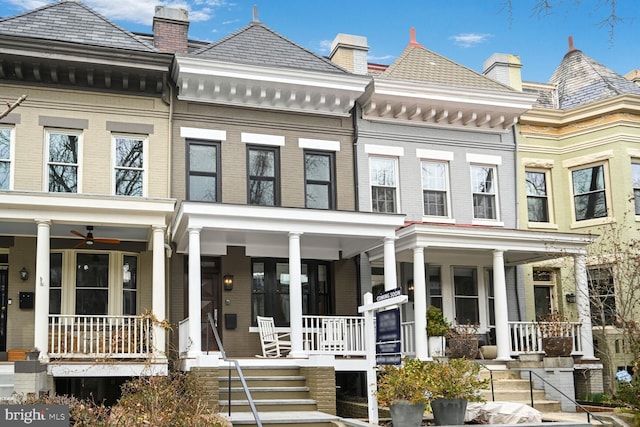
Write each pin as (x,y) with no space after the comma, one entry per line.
(571,298)
(410,288)
(227,280)
(24,274)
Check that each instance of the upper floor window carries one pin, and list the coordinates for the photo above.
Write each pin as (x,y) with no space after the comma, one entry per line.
(63,161)
(203,168)
(537,196)
(484,186)
(129,166)
(5,158)
(383,172)
(589,192)
(635,175)
(263,169)
(435,184)
(319,178)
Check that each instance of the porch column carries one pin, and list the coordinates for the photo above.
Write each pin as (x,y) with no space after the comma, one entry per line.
(500,304)
(195,316)
(158,291)
(41,311)
(420,304)
(583,306)
(390,279)
(295,295)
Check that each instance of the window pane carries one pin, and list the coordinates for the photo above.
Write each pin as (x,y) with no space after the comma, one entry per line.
(92,271)
(129,152)
(434,176)
(55,301)
(91,301)
(55,283)
(5,144)
(261,163)
(257,283)
(589,196)
(589,206)
(317,167)
(538,209)
(587,180)
(130,272)
(317,196)
(383,199)
(129,182)
(63,148)
(635,170)
(435,203)
(129,302)
(465,282)
(63,179)
(202,188)
(482,179)
(203,158)
(5,173)
(484,206)
(536,184)
(262,193)
(383,171)
(602,296)
(467,311)
(262,179)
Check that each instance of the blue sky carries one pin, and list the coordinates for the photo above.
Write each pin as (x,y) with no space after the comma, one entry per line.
(466,31)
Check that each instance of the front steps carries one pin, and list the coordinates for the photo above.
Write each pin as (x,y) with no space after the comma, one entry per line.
(509,387)
(280,395)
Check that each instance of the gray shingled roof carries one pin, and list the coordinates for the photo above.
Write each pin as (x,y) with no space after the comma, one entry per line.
(257,44)
(417,63)
(73,22)
(581,80)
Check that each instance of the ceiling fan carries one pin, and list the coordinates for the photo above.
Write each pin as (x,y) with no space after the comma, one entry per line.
(89,240)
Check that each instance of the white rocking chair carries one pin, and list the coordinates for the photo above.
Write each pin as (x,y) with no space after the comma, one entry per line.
(272,342)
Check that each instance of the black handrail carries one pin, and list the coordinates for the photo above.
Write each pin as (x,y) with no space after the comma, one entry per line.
(493,396)
(238,369)
(589,414)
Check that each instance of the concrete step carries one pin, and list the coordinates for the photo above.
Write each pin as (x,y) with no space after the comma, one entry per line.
(502,395)
(265,392)
(270,405)
(510,384)
(6,391)
(261,371)
(284,419)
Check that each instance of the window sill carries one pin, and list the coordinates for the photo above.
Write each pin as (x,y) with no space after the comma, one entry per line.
(440,219)
(544,225)
(487,222)
(592,222)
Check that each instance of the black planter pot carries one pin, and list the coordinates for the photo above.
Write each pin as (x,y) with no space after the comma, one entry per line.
(407,414)
(449,412)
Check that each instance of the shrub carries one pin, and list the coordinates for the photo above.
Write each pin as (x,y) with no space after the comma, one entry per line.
(437,325)
(456,379)
(408,382)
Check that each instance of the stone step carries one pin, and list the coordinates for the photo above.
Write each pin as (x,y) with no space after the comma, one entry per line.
(270,405)
(521,396)
(270,381)
(284,419)
(261,371)
(265,392)
(510,384)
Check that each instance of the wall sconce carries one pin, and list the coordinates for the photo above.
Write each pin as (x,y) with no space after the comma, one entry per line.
(410,288)
(571,298)
(24,274)
(227,280)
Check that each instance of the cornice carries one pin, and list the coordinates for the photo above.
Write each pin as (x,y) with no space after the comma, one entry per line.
(295,90)
(430,104)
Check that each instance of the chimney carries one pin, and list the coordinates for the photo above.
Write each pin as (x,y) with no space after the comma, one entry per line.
(350,52)
(504,68)
(170,28)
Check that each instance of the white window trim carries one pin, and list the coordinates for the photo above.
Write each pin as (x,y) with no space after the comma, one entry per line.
(397,180)
(80,135)
(547,179)
(204,134)
(423,154)
(318,144)
(12,153)
(484,159)
(483,221)
(262,139)
(607,194)
(145,161)
(448,218)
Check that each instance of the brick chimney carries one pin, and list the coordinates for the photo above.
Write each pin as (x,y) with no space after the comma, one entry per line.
(350,52)
(170,28)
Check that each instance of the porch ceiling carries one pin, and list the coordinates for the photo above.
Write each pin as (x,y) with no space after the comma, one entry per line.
(264,231)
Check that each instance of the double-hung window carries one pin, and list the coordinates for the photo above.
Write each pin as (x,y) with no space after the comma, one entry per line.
(129,167)
(319,180)
(203,170)
(263,166)
(602,296)
(589,192)
(465,283)
(484,188)
(384,178)
(435,184)
(537,196)
(63,154)
(6,135)
(635,176)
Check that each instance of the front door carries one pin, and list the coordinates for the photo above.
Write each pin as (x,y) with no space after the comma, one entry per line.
(4,294)
(542,297)
(211,295)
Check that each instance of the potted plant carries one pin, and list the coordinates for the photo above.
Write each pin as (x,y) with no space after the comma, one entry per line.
(463,340)
(452,384)
(33,353)
(555,331)
(403,389)
(437,328)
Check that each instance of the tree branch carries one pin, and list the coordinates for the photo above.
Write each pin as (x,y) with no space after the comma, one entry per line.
(11,107)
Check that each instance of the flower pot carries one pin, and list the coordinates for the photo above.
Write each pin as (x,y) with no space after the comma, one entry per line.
(463,347)
(407,414)
(448,412)
(32,355)
(557,346)
(436,346)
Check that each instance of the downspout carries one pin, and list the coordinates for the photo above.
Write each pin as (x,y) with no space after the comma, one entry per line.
(169,141)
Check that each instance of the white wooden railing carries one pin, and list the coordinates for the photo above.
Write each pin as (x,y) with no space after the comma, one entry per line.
(183,336)
(93,337)
(526,337)
(340,335)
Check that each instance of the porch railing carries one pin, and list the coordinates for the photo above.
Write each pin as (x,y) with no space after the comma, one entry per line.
(526,337)
(92,337)
(183,336)
(342,335)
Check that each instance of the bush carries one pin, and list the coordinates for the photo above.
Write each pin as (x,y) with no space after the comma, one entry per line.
(407,382)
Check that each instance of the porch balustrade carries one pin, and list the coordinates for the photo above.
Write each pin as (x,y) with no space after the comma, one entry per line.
(91,337)
(526,337)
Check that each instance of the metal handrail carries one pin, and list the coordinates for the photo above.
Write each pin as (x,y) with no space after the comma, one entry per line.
(589,414)
(238,369)
(493,396)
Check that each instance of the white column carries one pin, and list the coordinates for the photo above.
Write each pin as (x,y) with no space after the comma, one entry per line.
(390,279)
(195,316)
(295,295)
(420,304)
(583,306)
(41,317)
(500,307)
(370,349)
(158,298)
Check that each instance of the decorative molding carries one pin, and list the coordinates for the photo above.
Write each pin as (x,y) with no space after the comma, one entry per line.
(319,144)
(206,134)
(537,163)
(384,150)
(262,139)
(422,153)
(589,158)
(484,159)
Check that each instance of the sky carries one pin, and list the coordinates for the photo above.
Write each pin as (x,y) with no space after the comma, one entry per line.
(466,31)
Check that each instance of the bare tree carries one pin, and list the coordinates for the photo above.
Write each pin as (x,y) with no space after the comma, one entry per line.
(11,107)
